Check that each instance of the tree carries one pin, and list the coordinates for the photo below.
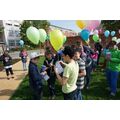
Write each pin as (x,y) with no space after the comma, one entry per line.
(111,25)
(44,24)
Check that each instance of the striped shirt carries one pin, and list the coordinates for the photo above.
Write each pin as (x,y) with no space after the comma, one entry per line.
(81,80)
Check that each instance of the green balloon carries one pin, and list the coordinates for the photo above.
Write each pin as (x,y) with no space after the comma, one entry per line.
(65,39)
(95,38)
(33,35)
(43,35)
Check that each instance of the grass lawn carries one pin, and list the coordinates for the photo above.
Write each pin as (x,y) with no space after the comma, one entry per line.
(98,88)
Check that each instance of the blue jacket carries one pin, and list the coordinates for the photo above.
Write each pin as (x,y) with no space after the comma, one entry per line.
(35,78)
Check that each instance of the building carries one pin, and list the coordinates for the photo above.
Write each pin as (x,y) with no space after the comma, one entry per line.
(65,31)
(11,33)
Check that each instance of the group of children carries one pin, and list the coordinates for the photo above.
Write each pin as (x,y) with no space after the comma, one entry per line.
(86,59)
(77,63)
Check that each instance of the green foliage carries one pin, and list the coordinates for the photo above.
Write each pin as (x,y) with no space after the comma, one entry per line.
(36,23)
(111,25)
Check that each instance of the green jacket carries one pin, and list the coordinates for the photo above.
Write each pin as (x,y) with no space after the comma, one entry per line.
(114,63)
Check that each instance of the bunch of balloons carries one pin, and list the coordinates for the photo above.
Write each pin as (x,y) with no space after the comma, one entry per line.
(107,33)
(89,25)
(35,35)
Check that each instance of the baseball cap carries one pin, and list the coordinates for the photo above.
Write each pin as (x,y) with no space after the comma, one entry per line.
(114,39)
(118,40)
(34,55)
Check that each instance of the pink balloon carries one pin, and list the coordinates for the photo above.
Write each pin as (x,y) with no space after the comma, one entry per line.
(96,32)
(92,24)
(100,31)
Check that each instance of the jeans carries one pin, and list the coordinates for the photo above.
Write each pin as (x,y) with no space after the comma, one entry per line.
(24,66)
(78,94)
(112,77)
(70,96)
(88,75)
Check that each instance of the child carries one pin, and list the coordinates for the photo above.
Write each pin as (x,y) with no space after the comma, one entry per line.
(112,68)
(50,71)
(82,73)
(23,55)
(70,74)
(35,77)
(7,62)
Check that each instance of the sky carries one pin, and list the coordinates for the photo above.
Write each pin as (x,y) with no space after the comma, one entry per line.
(70,24)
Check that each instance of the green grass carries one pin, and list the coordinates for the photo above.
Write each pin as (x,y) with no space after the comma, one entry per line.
(98,88)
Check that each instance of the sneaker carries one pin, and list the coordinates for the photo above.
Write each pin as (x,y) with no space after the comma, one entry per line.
(112,94)
(12,77)
(8,78)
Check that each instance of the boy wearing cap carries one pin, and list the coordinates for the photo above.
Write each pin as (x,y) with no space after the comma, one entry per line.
(35,77)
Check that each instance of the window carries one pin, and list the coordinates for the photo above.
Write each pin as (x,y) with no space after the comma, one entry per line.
(17,43)
(11,33)
(17,33)
(9,24)
(16,25)
(11,42)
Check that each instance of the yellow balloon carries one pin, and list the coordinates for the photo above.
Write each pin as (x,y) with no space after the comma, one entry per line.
(81,23)
(56,39)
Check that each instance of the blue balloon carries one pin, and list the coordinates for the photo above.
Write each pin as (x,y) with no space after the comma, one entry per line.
(21,42)
(107,33)
(85,34)
(113,33)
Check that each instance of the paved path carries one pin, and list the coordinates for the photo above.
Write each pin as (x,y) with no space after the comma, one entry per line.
(15,55)
(7,87)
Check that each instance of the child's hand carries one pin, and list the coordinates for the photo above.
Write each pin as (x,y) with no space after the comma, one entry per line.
(44,73)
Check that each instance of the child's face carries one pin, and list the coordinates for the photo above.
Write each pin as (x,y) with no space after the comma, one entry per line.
(77,55)
(35,60)
(49,56)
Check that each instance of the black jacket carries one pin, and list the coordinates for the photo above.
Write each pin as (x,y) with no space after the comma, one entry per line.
(7,60)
